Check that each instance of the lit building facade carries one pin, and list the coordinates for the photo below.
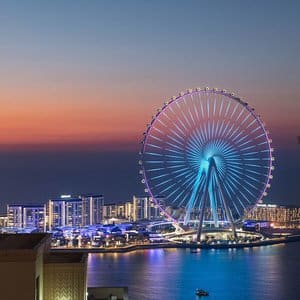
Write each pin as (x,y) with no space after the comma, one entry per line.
(26,216)
(144,208)
(114,211)
(64,211)
(277,214)
(92,207)
(68,210)
(3,221)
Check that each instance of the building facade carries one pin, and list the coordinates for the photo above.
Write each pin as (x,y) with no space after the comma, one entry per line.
(144,208)
(277,214)
(92,207)
(26,216)
(68,210)
(30,271)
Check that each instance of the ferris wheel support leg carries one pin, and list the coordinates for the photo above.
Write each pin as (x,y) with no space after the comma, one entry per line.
(227,211)
(199,230)
(203,205)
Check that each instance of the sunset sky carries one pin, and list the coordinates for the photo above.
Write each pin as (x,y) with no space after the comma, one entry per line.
(79,81)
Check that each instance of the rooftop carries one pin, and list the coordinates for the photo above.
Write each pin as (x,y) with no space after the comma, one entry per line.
(21,241)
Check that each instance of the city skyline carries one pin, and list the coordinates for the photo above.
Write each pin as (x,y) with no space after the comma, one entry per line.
(79,83)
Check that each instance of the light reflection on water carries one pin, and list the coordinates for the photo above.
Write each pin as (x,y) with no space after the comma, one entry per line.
(271,272)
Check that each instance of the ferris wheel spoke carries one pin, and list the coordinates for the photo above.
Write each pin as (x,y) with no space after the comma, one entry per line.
(191,115)
(183,200)
(175,151)
(229,196)
(174,156)
(168,187)
(174,193)
(173,145)
(259,136)
(200,135)
(202,110)
(207,107)
(176,134)
(234,110)
(155,169)
(155,138)
(182,175)
(157,129)
(153,153)
(162,183)
(247,148)
(154,161)
(220,128)
(244,196)
(154,146)
(241,139)
(265,150)
(175,200)
(237,136)
(245,143)
(214,107)
(231,133)
(224,129)
(175,140)
(240,114)
(251,123)
(227,108)
(262,143)
(195,110)
(245,119)
(254,130)
(161,122)
(159,176)
(216,128)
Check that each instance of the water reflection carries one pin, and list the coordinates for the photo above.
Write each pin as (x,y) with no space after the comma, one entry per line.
(250,273)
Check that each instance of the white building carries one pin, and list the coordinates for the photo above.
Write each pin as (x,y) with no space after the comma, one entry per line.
(26,216)
(68,210)
(144,208)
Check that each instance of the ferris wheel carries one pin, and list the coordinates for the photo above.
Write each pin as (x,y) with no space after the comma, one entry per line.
(206,150)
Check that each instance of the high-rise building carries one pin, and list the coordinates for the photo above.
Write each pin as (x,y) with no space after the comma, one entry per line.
(114,210)
(129,210)
(26,216)
(75,211)
(144,208)
(15,216)
(64,211)
(92,207)
(274,213)
(3,221)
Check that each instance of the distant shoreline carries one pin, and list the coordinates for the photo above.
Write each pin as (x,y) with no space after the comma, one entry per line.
(273,241)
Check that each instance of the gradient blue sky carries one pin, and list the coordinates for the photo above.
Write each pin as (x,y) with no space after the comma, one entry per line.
(88,75)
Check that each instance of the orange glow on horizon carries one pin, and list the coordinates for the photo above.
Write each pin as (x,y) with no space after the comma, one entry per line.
(62,116)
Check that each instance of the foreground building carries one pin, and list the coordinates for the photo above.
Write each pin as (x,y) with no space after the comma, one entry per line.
(30,271)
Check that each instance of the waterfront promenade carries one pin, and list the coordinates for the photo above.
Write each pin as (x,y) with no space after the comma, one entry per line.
(128,248)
